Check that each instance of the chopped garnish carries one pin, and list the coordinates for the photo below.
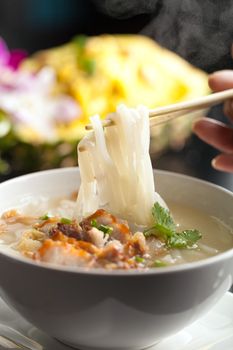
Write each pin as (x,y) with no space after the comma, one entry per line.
(88,65)
(165,227)
(80,41)
(94,223)
(159,263)
(139,259)
(65,221)
(107,230)
(45,216)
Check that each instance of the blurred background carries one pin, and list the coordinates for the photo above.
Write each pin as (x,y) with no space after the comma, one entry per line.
(199,31)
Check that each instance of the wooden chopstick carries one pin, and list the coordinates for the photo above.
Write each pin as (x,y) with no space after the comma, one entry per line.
(164,114)
(165,118)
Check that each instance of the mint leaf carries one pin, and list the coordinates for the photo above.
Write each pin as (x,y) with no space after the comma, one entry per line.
(184,239)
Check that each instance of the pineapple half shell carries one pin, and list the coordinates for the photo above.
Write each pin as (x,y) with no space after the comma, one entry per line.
(99,73)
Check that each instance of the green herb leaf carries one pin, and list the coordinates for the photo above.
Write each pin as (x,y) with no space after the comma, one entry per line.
(139,259)
(107,230)
(163,218)
(88,65)
(85,63)
(151,231)
(80,41)
(94,223)
(165,227)
(184,239)
(45,216)
(159,263)
(65,221)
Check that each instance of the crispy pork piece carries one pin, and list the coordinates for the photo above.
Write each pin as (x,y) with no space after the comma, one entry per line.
(65,250)
(63,253)
(30,242)
(46,226)
(72,230)
(97,237)
(136,245)
(114,256)
(112,252)
(3,227)
(14,217)
(120,228)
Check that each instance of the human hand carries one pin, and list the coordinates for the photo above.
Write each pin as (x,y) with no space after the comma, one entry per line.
(214,132)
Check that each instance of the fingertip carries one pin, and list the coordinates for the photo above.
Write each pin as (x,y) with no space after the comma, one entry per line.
(228,109)
(201,128)
(195,124)
(204,123)
(213,163)
(216,162)
(212,81)
(223,162)
(221,80)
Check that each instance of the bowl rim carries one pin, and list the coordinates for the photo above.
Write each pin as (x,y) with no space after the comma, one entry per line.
(123,273)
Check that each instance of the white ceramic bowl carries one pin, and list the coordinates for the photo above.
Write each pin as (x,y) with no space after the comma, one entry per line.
(115,310)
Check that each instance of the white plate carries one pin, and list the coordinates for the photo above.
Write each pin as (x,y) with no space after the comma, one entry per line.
(212,332)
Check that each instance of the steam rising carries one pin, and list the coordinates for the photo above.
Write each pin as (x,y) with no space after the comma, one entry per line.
(199,30)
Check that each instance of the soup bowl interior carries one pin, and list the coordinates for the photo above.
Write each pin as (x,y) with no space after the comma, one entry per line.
(97,309)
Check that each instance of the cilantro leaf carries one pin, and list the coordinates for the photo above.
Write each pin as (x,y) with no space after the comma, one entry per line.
(107,230)
(163,218)
(184,239)
(165,227)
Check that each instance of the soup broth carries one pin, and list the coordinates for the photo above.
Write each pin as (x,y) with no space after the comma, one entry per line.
(44,230)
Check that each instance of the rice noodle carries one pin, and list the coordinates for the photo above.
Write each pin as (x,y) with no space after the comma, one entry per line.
(207,249)
(115,168)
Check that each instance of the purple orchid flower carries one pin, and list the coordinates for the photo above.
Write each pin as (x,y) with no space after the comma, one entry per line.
(28,99)
(11,59)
